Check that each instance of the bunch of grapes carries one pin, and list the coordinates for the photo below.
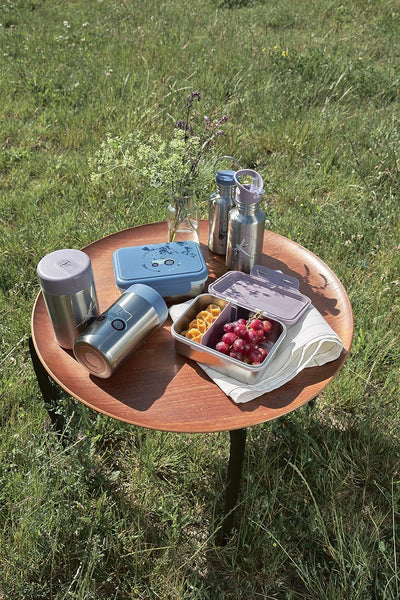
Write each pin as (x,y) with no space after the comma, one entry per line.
(242,339)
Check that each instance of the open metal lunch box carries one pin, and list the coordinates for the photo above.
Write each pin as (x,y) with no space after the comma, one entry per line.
(240,295)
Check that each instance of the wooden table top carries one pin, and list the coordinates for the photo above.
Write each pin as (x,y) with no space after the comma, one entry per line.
(159,389)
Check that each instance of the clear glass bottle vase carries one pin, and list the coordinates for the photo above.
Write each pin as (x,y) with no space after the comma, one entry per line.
(182,218)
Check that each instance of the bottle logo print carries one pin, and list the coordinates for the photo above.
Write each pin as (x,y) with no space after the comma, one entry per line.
(241,247)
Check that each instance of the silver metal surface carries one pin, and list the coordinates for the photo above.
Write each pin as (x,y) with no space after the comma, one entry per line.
(245,237)
(110,339)
(221,202)
(70,314)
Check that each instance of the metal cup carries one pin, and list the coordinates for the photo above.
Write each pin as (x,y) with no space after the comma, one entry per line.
(117,332)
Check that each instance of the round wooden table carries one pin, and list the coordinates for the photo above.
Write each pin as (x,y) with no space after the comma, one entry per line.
(159,389)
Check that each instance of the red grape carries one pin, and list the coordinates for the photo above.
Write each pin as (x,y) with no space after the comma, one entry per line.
(251,336)
(222,347)
(239,345)
(260,335)
(256,324)
(229,338)
(263,353)
(255,356)
(236,355)
(267,326)
(241,339)
(240,330)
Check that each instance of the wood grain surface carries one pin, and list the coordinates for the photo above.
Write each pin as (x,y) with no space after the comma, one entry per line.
(159,389)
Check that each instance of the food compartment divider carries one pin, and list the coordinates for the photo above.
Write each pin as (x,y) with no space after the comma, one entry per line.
(231,312)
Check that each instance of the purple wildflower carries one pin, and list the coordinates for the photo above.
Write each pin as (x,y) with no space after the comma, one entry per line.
(186,127)
(194,95)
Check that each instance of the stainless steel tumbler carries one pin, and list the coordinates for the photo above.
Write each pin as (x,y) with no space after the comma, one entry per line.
(66,279)
(112,337)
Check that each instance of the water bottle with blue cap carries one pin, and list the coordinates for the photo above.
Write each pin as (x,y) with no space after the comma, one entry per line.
(221,202)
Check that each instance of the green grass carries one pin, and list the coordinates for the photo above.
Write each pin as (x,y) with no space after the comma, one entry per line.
(312,94)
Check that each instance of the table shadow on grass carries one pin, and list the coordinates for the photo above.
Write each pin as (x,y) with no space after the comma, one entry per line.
(285,476)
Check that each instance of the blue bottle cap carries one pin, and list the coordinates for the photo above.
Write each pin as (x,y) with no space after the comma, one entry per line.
(225,178)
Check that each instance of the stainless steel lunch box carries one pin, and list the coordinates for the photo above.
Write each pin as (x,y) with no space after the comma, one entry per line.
(239,295)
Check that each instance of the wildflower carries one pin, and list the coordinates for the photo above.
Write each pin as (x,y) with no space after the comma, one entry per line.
(194,95)
(181,124)
(168,165)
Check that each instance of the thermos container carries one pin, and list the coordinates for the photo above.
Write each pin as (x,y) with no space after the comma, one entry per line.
(221,202)
(113,336)
(246,224)
(67,283)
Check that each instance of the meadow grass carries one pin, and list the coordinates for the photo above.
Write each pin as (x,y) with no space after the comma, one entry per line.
(311,90)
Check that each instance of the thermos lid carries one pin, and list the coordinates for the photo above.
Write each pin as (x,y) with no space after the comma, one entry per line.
(152,297)
(225,178)
(65,272)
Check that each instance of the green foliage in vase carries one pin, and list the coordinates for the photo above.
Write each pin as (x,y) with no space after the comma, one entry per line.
(168,166)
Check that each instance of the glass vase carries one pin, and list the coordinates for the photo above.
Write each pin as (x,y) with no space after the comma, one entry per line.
(182,218)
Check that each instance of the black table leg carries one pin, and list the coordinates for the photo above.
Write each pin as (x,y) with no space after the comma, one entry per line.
(48,390)
(237,447)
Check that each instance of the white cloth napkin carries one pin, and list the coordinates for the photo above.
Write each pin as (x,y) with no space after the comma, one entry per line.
(308,343)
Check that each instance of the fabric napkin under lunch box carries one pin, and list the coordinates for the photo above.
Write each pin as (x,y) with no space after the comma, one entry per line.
(310,342)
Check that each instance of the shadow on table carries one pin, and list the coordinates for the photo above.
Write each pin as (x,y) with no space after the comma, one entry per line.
(287,394)
(316,292)
(144,377)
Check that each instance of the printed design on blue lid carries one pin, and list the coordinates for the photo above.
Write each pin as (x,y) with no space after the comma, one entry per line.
(166,258)
(187,249)
(160,260)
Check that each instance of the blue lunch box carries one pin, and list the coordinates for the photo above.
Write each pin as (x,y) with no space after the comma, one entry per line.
(176,270)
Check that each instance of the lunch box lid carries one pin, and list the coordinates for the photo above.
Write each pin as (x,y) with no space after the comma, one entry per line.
(264,289)
(170,268)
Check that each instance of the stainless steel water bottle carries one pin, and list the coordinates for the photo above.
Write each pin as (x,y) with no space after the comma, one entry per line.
(221,202)
(111,338)
(67,283)
(246,224)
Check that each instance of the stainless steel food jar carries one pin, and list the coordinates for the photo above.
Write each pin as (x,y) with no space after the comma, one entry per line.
(66,279)
(111,338)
